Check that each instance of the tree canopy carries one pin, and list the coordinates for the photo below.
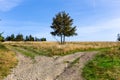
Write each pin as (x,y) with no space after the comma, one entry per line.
(21,37)
(62,26)
(1,37)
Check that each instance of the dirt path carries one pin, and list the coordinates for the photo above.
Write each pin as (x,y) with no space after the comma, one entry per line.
(50,68)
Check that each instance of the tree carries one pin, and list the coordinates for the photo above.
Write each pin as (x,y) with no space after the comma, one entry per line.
(31,38)
(118,37)
(62,26)
(12,37)
(19,37)
(8,38)
(1,37)
(26,38)
(37,39)
(43,39)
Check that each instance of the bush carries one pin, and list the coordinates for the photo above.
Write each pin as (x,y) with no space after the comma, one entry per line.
(43,39)
(1,39)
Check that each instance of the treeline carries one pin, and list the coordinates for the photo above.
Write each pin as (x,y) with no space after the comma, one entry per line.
(21,37)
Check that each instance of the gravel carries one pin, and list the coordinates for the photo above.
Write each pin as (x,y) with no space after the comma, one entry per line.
(50,68)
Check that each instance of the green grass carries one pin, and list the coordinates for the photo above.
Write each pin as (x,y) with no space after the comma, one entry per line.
(105,66)
(29,51)
(25,52)
(49,51)
(3,48)
(36,51)
(74,62)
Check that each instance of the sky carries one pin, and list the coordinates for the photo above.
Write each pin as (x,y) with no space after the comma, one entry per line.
(96,20)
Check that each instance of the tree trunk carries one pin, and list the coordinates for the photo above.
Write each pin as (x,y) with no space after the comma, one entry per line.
(64,39)
(61,39)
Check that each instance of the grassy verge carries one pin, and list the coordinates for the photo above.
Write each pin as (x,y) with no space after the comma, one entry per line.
(30,51)
(26,52)
(52,48)
(105,66)
(74,62)
(7,61)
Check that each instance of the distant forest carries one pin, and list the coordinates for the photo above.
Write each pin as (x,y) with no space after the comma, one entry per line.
(20,37)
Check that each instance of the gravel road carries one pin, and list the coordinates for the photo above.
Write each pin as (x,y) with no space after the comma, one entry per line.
(50,68)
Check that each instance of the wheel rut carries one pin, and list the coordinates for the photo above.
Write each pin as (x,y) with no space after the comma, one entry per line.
(50,68)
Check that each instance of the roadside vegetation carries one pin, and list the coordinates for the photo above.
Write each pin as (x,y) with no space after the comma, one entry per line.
(105,66)
(7,61)
(32,49)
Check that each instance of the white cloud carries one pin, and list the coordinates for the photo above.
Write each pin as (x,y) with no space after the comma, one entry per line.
(113,24)
(102,31)
(6,5)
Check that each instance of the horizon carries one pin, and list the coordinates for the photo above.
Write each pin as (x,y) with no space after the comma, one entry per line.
(96,20)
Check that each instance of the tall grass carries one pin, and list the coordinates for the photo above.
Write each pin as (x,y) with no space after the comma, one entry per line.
(105,66)
(53,48)
(7,61)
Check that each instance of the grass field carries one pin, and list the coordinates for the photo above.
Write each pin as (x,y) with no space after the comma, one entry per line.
(7,61)
(105,66)
(52,48)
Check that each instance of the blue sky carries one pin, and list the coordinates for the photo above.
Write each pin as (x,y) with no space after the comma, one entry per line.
(96,20)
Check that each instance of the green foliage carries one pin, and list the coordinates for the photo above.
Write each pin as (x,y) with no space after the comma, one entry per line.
(1,37)
(29,38)
(118,37)
(43,39)
(10,38)
(62,26)
(19,37)
(37,39)
(105,66)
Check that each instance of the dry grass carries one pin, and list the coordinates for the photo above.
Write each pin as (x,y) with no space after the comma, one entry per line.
(53,48)
(7,61)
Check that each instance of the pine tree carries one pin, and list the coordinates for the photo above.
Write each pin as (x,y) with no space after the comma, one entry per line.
(62,26)
(43,39)
(12,37)
(8,38)
(26,38)
(31,38)
(19,37)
